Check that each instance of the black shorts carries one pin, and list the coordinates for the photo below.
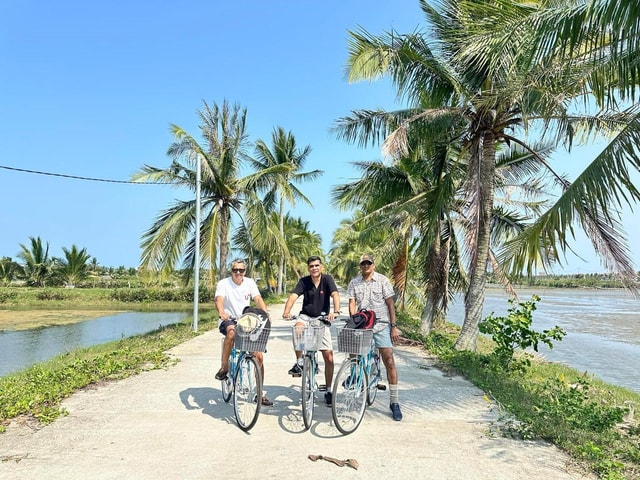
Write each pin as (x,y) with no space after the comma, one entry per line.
(224,324)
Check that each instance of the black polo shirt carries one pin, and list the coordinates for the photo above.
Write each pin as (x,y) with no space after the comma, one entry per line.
(315,300)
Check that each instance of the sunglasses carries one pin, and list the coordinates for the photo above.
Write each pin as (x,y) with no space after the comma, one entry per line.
(237,270)
(366,263)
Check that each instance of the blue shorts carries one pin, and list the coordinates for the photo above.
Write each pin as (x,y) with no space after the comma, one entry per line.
(382,338)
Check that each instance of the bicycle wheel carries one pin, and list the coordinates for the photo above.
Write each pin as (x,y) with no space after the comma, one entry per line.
(247,392)
(227,388)
(374,378)
(349,395)
(308,391)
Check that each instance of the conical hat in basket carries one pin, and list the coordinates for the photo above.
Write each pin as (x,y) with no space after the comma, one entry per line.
(248,322)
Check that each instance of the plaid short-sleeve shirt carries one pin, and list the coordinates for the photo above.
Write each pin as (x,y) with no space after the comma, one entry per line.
(372,294)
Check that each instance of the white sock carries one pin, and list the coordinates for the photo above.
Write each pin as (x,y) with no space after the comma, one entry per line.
(393,391)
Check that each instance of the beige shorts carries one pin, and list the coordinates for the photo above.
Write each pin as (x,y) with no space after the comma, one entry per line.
(327,342)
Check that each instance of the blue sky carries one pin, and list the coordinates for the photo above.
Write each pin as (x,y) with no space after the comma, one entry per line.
(89,89)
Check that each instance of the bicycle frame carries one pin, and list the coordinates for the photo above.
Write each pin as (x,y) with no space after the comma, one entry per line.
(308,340)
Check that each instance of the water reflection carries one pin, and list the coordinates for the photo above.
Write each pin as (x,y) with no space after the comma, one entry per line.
(603,329)
(21,349)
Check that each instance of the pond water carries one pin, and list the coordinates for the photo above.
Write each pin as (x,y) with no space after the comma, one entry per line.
(603,329)
(23,348)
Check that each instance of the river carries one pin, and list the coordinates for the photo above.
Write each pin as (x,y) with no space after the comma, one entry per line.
(23,348)
(603,329)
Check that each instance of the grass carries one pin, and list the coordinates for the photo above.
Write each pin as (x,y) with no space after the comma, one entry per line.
(592,421)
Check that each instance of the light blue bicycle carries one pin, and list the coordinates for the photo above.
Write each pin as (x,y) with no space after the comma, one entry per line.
(244,379)
(357,382)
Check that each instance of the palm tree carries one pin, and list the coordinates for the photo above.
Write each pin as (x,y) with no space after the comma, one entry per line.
(414,202)
(172,236)
(9,270)
(476,75)
(262,244)
(278,172)
(37,264)
(74,267)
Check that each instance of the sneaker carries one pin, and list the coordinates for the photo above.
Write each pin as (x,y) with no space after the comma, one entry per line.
(395,411)
(328,398)
(296,370)
(221,375)
(348,383)
(264,401)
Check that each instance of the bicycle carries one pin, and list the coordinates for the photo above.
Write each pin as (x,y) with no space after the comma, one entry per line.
(308,339)
(244,380)
(358,380)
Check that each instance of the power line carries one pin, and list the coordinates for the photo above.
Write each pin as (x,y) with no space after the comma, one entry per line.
(75,177)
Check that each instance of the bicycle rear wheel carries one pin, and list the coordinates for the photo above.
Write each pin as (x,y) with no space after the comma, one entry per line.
(308,391)
(247,392)
(374,378)
(349,395)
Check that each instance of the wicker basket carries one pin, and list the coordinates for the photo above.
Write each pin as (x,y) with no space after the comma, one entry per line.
(254,341)
(307,337)
(355,341)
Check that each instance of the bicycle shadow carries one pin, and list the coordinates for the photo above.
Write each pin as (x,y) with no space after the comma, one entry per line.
(288,409)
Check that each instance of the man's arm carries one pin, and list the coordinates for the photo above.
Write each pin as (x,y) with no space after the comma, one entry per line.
(352,306)
(220,307)
(287,307)
(335,297)
(260,303)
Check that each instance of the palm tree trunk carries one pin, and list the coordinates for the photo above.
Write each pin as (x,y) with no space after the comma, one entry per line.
(437,292)
(225,217)
(474,298)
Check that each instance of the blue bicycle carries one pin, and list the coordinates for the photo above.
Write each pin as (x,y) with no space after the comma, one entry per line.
(357,382)
(308,339)
(244,380)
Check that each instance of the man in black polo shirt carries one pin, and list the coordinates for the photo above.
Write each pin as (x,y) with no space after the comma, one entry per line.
(316,289)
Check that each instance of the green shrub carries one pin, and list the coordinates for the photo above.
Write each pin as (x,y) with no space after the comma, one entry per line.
(514,332)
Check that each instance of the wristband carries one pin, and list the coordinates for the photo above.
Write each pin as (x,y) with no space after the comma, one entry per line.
(393,325)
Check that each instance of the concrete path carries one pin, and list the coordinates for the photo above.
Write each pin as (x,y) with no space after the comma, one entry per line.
(173,424)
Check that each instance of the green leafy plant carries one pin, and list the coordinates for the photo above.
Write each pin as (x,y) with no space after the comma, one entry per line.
(514,332)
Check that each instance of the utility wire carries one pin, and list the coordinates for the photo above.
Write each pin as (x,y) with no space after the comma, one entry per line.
(79,178)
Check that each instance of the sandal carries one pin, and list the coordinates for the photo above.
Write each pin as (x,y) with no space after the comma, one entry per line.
(221,375)
(266,402)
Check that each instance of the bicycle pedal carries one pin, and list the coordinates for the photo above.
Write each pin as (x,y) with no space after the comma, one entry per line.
(296,375)
(382,387)
(322,388)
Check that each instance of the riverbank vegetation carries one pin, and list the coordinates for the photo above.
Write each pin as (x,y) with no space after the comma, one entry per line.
(593,421)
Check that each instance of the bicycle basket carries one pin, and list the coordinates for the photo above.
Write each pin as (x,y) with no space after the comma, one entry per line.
(355,341)
(307,337)
(254,340)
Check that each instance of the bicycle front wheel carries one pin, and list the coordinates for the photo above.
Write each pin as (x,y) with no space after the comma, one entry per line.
(308,391)
(227,388)
(374,378)
(247,392)
(349,395)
